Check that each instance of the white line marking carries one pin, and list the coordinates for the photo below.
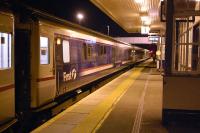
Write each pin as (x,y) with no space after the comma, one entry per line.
(138,119)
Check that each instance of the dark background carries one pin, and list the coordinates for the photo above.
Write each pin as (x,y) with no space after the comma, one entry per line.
(93,17)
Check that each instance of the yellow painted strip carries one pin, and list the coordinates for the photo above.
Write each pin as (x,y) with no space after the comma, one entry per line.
(94,118)
(108,112)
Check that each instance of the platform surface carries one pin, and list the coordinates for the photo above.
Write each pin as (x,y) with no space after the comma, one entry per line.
(131,103)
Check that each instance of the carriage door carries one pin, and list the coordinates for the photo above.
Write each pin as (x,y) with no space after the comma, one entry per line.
(62,58)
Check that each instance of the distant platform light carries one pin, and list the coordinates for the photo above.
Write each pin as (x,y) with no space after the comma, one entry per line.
(145,29)
(58,41)
(158,53)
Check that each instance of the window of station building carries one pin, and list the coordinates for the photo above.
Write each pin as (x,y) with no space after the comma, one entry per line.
(5,50)
(44,51)
(66,51)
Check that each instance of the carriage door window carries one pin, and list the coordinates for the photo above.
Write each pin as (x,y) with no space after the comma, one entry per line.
(66,52)
(5,50)
(44,50)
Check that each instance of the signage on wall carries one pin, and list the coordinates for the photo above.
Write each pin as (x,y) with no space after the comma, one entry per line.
(154,39)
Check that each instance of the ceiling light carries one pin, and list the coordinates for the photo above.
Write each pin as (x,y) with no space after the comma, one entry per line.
(139,1)
(143,9)
(144,18)
(148,22)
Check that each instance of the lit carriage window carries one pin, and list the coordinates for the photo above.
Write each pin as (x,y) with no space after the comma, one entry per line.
(102,50)
(84,51)
(5,50)
(66,52)
(44,50)
(89,50)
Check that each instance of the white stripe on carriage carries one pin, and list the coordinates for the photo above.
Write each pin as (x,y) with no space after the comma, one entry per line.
(96,69)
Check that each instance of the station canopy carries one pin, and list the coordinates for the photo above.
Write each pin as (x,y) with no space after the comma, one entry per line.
(132,15)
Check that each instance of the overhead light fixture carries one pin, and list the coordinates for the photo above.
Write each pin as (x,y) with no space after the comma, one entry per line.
(144,18)
(143,9)
(148,22)
(138,1)
(58,41)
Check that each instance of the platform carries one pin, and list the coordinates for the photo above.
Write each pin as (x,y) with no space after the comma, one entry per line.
(131,103)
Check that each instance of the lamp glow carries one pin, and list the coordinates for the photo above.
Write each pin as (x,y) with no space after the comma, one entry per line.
(80,16)
(158,53)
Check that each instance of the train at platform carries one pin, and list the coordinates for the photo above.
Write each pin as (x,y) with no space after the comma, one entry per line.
(41,54)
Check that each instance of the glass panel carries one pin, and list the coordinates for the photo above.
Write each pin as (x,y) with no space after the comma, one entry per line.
(5,50)
(66,52)
(187,48)
(101,50)
(84,51)
(44,50)
(186,5)
(104,49)
(89,51)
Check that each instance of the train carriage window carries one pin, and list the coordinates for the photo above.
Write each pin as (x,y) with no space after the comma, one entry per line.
(113,52)
(89,50)
(104,49)
(5,50)
(85,51)
(66,51)
(44,50)
(101,50)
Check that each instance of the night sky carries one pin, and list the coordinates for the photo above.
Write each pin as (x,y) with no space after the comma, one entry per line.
(67,9)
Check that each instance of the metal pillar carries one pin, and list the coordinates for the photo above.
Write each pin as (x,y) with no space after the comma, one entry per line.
(169,37)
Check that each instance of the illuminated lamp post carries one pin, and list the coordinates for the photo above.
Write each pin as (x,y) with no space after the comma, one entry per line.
(80,17)
(108,30)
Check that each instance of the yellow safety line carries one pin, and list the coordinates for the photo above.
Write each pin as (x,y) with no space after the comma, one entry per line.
(91,122)
(109,111)
(100,111)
